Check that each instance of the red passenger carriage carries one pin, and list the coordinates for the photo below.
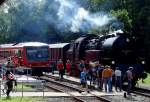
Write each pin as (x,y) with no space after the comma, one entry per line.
(58,51)
(33,55)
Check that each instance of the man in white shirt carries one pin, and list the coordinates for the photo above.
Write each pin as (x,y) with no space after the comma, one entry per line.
(118,81)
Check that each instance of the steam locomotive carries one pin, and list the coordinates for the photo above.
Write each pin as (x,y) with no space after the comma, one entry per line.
(117,50)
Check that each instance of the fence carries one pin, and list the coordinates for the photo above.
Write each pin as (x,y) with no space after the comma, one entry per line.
(24,86)
(19,70)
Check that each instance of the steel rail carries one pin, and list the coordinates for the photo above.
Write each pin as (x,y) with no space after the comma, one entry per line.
(101,98)
(57,78)
(62,84)
(77,89)
(141,91)
(60,90)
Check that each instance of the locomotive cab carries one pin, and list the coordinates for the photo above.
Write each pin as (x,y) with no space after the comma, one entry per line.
(84,48)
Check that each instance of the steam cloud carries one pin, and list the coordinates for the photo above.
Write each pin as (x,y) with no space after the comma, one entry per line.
(40,19)
(79,19)
(67,15)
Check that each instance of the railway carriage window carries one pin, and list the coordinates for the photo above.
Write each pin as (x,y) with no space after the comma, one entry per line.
(6,53)
(17,52)
(37,54)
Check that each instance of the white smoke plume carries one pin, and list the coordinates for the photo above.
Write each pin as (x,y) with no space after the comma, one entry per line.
(42,17)
(78,19)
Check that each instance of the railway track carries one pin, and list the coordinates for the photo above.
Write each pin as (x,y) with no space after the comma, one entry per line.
(66,87)
(141,91)
(61,90)
(77,88)
(136,91)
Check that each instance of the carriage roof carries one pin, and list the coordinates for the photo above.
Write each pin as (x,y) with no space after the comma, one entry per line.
(24,44)
(59,45)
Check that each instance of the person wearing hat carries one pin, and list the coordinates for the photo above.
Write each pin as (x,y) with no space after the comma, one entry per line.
(129,77)
(107,74)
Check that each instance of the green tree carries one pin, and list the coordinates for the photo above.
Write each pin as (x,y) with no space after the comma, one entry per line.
(123,16)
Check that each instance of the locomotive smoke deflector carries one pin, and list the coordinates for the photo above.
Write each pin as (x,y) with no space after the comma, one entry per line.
(109,43)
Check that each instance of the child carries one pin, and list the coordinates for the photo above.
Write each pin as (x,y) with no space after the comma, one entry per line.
(83,79)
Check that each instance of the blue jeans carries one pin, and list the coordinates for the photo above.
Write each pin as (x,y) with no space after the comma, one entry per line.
(110,84)
(100,83)
(108,81)
(61,72)
(129,86)
(118,83)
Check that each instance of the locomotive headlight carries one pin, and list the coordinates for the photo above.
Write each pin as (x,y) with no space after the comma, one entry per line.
(143,62)
(127,40)
(112,62)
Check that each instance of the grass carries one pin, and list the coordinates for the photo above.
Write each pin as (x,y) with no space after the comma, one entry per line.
(146,81)
(20,99)
(25,87)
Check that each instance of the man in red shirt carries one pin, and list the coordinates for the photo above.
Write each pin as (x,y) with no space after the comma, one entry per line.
(60,68)
(68,67)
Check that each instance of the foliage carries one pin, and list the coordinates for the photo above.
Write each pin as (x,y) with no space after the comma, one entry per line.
(123,16)
(100,31)
(146,81)
(100,5)
(25,88)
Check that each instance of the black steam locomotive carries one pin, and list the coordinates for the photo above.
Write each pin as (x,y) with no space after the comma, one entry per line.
(118,50)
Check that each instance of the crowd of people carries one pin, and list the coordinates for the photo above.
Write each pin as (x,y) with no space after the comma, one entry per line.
(97,74)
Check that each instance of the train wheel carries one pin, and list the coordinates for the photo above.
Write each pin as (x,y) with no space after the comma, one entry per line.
(134,81)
